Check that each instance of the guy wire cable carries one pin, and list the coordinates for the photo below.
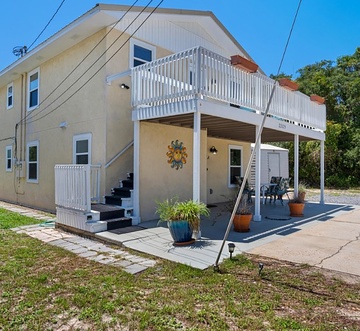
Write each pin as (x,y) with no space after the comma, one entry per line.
(247,172)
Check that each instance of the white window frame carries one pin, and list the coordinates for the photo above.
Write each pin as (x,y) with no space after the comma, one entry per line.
(240,148)
(31,73)
(142,44)
(84,136)
(7,159)
(10,95)
(28,162)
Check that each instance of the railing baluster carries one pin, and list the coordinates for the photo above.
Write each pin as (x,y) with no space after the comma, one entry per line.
(168,80)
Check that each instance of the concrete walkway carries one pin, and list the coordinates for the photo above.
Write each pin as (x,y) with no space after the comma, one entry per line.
(86,248)
(326,237)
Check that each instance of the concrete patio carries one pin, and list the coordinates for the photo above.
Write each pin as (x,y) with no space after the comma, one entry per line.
(316,239)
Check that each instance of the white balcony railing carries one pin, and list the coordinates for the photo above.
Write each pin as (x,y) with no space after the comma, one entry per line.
(197,73)
(76,186)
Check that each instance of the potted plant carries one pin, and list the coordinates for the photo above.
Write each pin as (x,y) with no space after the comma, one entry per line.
(243,216)
(182,217)
(297,204)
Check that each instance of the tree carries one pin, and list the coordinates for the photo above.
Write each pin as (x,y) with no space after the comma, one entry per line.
(339,83)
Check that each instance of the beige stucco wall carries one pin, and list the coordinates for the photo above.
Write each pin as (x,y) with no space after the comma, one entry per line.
(158,180)
(218,169)
(84,113)
(102,110)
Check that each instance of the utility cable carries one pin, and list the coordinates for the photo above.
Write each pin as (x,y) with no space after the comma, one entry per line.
(257,141)
(62,2)
(97,71)
(81,62)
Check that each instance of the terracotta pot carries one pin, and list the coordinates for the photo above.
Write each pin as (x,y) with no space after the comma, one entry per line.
(288,84)
(296,209)
(242,223)
(319,100)
(245,64)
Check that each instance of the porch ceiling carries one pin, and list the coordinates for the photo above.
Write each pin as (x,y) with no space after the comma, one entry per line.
(219,127)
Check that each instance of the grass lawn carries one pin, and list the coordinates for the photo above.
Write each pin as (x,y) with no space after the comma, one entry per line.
(47,288)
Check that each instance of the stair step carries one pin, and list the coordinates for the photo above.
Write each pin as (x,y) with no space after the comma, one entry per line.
(113,200)
(124,192)
(109,211)
(118,223)
(127,183)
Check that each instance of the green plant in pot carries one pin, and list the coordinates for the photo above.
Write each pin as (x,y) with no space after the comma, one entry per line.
(182,217)
(297,203)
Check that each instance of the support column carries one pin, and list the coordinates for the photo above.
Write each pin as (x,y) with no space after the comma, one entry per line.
(136,192)
(322,172)
(296,164)
(196,156)
(257,148)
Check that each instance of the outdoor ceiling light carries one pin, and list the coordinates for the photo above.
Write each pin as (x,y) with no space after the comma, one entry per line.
(213,150)
(124,86)
(231,249)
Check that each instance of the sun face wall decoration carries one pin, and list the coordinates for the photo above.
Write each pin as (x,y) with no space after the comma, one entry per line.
(177,154)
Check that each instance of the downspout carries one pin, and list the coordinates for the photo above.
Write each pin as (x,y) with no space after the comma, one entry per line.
(20,130)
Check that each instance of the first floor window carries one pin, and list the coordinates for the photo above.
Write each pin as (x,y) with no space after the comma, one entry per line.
(82,149)
(8,158)
(33,161)
(235,164)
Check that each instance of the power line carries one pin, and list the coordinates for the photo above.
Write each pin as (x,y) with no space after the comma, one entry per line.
(62,2)
(8,138)
(77,66)
(102,66)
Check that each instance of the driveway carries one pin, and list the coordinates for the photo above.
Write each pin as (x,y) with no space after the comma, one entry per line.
(326,237)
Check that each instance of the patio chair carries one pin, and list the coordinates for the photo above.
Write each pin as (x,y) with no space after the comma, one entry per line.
(270,191)
(247,189)
(281,189)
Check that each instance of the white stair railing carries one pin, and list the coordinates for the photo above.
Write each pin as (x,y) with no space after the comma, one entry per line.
(76,186)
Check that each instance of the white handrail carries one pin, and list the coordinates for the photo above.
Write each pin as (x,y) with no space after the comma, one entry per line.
(199,73)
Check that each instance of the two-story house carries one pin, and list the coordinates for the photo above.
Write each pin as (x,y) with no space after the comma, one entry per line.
(152,93)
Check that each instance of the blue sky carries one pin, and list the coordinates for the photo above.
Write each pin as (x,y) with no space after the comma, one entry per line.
(325,29)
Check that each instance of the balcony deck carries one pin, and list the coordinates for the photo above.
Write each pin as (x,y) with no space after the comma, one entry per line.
(171,89)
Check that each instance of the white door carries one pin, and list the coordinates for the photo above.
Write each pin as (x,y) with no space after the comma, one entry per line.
(274,165)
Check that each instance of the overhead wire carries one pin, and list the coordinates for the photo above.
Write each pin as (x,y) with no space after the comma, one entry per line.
(79,64)
(53,16)
(257,141)
(97,71)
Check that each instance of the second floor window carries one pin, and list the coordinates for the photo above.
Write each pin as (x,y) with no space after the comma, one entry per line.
(33,89)
(141,53)
(10,96)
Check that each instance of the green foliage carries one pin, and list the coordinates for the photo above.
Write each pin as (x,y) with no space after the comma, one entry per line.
(175,210)
(10,220)
(339,82)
